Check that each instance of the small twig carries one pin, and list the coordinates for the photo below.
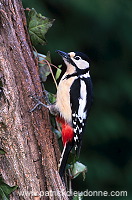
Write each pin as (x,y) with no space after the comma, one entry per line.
(70,186)
(52,74)
(49,64)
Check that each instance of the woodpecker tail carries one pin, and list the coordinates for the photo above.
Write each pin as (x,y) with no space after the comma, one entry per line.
(64,157)
(67,139)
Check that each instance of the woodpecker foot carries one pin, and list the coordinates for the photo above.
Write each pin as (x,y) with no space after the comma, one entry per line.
(39,104)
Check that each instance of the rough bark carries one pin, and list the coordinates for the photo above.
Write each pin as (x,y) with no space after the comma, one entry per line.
(31,148)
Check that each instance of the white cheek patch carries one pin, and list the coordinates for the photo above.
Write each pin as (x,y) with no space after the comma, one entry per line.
(83,64)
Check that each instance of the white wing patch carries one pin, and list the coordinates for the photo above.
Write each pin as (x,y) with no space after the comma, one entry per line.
(82,100)
(80,115)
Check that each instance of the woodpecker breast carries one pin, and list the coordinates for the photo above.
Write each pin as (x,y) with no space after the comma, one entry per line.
(63,98)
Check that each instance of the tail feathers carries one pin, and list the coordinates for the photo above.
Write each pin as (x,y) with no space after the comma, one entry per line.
(64,158)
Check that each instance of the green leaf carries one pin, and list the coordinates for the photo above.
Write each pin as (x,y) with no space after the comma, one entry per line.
(78,168)
(58,133)
(2,195)
(48,57)
(5,190)
(78,196)
(44,69)
(51,97)
(39,55)
(2,152)
(38,26)
(58,72)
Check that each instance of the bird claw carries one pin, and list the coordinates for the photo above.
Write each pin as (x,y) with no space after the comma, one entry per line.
(39,104)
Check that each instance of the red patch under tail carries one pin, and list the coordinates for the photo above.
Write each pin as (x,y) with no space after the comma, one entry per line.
(67,131)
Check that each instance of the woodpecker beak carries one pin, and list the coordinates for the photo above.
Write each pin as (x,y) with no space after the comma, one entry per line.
(64,55)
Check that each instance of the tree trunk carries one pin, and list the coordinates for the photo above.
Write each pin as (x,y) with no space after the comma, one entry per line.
(31,148)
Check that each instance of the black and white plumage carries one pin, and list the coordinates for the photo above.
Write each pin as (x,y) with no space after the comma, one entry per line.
(80,105)
(74,100)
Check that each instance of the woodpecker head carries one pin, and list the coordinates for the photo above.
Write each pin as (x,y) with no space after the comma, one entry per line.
(76,60)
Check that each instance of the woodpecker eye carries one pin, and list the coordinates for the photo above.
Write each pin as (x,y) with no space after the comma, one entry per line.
(77,57)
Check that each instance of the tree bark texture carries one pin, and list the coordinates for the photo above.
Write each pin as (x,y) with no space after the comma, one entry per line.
(31,148)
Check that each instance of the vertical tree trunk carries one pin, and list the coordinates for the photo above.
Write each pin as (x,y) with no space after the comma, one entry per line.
(31,148)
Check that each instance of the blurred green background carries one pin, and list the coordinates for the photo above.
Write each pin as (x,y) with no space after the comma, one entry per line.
(103,30)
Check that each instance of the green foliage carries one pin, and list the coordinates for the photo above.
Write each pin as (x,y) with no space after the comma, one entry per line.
(58,72)
(78,168)
(44,69)
(78,197)
(38,26)
(5,190)
(51,97)
(58,133)
(2,152)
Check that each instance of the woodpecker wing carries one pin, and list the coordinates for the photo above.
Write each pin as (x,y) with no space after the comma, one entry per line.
(81,99)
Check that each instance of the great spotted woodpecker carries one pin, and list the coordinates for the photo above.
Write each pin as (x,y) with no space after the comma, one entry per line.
(73,103)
